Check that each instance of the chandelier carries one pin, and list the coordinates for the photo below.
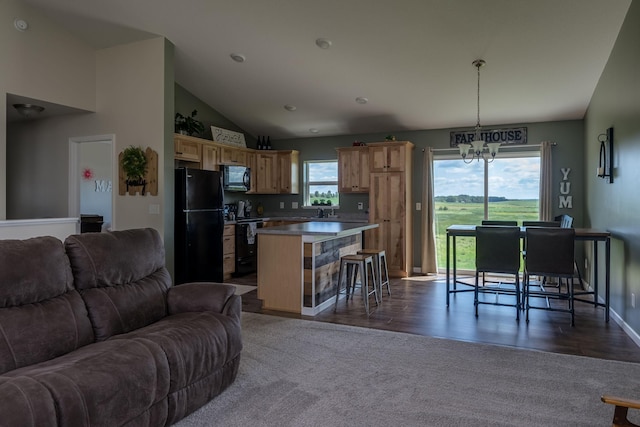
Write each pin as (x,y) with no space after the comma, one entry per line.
(476,150)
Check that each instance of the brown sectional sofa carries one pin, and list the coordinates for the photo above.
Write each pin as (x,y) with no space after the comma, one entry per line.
(92,333)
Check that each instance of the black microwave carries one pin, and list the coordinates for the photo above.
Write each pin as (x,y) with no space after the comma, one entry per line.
(236,178)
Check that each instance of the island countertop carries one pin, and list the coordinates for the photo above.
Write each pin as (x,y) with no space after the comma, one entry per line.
(318,228)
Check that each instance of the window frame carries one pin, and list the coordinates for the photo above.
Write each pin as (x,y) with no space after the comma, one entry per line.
(306,202)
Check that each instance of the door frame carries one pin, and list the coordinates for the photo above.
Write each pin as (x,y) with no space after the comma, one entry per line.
(74,173)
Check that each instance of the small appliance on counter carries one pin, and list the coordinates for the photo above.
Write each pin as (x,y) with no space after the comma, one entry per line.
(240,214)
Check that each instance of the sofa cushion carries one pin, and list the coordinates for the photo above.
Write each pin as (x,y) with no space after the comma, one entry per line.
(108,383)
(195,344)
(121,277)
(26,403)
(41,315)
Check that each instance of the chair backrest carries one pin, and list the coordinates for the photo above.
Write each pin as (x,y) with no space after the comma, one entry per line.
(550,251)
(566,221)
(121,277)
(499,222)
(541,223)
(41,315)
(498,249)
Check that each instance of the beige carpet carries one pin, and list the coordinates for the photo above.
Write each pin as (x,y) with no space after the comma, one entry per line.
(305,373)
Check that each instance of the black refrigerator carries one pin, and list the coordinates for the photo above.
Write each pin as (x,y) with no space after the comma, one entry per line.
(199,226)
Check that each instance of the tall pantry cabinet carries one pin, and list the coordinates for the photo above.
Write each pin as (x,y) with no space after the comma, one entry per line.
(390,203)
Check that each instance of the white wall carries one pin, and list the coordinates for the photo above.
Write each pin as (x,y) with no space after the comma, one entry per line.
(44,62)
(125,86)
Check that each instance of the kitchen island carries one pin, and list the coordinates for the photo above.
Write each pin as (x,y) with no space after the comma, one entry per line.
(298,264)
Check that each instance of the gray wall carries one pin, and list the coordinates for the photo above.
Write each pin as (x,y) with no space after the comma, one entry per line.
(568,135)
(615,207)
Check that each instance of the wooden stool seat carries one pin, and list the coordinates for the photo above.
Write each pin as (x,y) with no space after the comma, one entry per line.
(380,260)
(350,266)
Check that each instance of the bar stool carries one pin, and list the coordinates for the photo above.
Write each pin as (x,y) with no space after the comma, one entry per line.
(380,257)
(350,266)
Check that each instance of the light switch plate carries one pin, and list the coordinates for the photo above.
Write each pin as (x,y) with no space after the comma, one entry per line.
(294,205)
(154,209)
(418,206)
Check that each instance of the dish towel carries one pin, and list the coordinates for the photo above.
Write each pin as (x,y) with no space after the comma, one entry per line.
(251,233)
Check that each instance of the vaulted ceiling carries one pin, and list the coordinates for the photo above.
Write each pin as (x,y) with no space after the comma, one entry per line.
(411,59)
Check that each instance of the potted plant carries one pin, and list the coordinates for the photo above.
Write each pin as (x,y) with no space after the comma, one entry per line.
(188,125)
(134,165)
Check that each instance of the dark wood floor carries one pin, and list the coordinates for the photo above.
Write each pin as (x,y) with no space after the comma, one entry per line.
(417,306)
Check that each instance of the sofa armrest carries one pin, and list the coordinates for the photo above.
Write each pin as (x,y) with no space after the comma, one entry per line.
(201,296)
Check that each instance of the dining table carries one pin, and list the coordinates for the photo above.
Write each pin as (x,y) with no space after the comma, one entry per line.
(582,234)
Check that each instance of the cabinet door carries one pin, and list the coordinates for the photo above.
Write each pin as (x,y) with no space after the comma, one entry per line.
(267,173)
(253,170)
(387,158)
(229,250)
(186,150)
(387,209)
(363,170)
(353,170)
(288,172)
(233,155)
(210,157)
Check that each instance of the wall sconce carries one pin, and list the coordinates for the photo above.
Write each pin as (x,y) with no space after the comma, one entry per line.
(605,162)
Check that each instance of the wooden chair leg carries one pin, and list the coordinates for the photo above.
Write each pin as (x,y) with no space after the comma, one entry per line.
(622,406)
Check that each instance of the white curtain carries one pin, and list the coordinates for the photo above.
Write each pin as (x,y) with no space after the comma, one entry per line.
(429,264)
(546,182)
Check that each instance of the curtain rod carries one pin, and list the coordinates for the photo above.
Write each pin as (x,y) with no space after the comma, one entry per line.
(553,144)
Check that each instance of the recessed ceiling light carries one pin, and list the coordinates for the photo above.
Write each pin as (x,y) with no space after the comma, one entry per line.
(290,107)
(314,130)
(323,43)
(362,100)
(238,57)
(20,24)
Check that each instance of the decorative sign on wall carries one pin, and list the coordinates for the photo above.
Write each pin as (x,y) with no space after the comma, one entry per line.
(566,201)
(511,136)
(228,137)
(103,186)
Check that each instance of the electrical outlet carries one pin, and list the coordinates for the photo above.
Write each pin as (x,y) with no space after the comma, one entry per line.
(360,206)
(586,263)
(294,205)
(633,300)
(281,205)
(418,206)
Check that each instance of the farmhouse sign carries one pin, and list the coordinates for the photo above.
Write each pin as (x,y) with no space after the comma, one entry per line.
(511,136)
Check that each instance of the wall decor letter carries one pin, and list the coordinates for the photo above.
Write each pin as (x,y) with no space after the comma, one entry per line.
(566,201)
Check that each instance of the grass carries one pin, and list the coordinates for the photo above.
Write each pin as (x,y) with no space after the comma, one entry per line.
(473,213)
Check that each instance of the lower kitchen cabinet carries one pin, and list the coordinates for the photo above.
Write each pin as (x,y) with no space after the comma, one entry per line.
(229,250)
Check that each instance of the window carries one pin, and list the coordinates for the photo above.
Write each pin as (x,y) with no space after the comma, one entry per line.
(321,183)
(505,189)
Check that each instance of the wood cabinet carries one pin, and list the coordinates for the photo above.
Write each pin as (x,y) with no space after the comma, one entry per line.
(353,170)
(288,168)
(233,155)
(388,156)
(187,148)
(210,157)
(267,172)
(390,207)
(229,250)
(277,172)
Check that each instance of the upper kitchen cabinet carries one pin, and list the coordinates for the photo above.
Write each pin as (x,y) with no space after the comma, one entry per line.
(389,156)
(233,155)
(288,182)
(353,169)
(187,148)
(277,172)
(210,157)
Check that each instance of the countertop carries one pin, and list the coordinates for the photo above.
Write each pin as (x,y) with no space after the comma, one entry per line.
(318,228)
(299,218)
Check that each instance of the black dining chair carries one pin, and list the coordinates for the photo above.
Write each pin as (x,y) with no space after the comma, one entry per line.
(499,222)
(549,253)
(498,251)
(541,223)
